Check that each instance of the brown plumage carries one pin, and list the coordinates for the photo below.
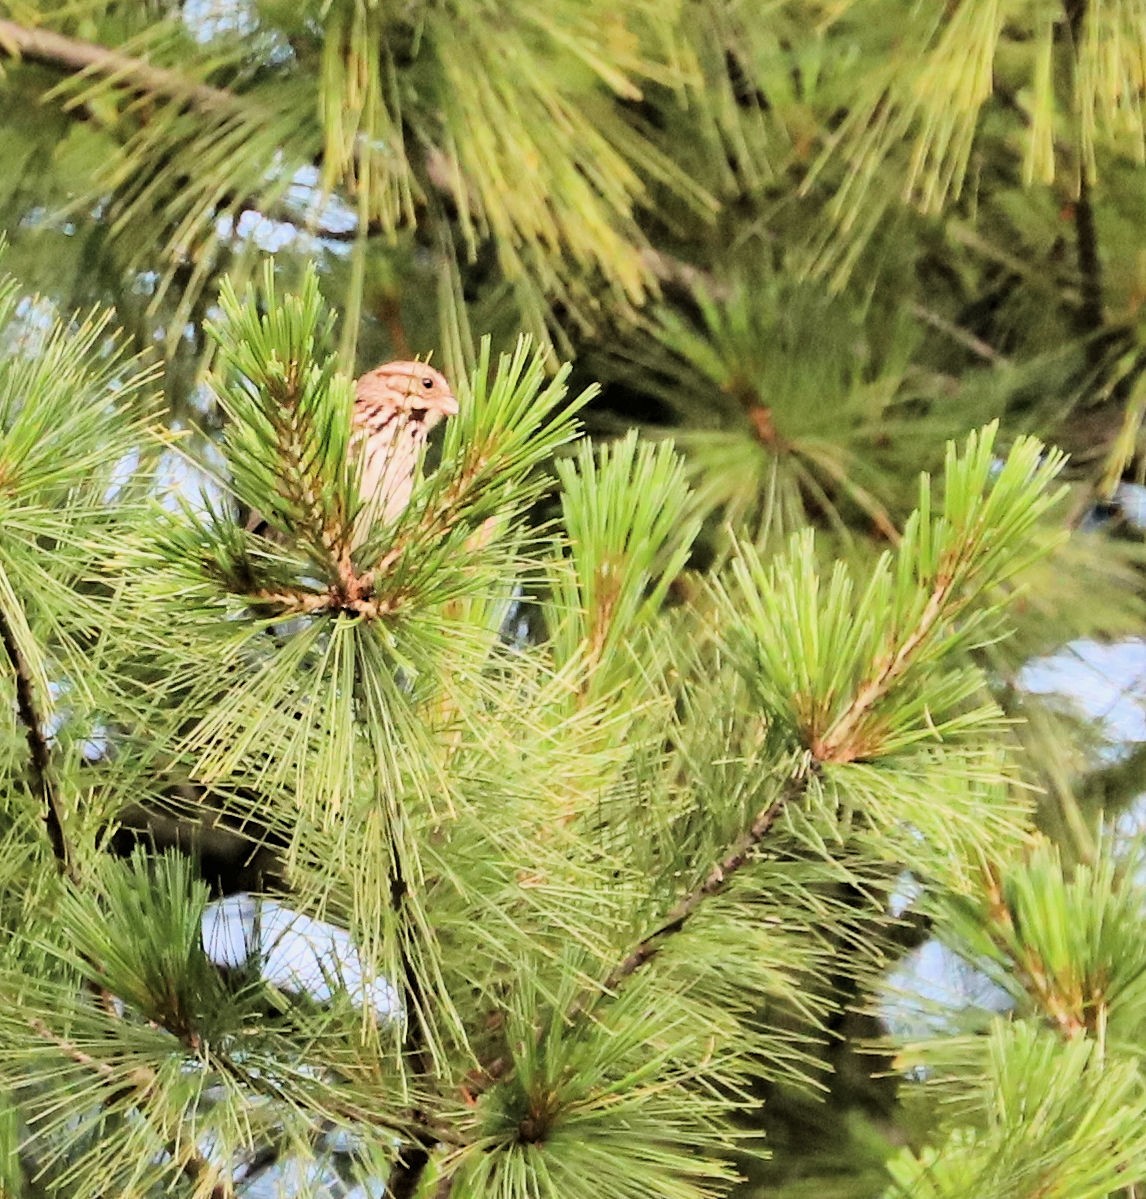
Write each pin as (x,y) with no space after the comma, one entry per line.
(396,405)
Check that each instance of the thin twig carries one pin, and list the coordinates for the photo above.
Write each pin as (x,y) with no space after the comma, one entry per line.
(40,778)
(964,337)
(413,1156)
(76,56)
(419,1127)
(390,316)
(308,603)
(300,603)
(1091,316)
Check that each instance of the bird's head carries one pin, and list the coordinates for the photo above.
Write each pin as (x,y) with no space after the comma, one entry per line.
(412,390)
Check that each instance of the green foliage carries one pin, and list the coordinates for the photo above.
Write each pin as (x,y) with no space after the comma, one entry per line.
(1048,1102)
(597,757)
(625,512)
(286,446)
(613,872)
(1066,942)
(799,388)
(848,650)
(1063,1121)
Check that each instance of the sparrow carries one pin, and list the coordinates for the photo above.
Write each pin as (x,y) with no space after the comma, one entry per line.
(396,406)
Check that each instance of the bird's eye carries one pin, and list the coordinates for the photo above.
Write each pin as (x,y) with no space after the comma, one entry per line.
(428,384)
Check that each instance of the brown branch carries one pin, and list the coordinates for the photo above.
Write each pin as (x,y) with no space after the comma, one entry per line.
(1091,311)
(71,54)
(714,882)
(40,780)
(298,603)
(308,603)
(413,1156)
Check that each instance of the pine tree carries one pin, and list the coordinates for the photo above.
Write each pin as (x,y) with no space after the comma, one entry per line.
(811,244)
(594,882)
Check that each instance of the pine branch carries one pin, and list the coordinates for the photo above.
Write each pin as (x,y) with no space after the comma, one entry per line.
(43,785)
(354,592)
(51,49)
(39,753)
(677,919)
(143,1082)
(840,742)
(716,879)
(1091,319)
(957,333)
(69,54)
(1031,972)
(297,479)
(76,56)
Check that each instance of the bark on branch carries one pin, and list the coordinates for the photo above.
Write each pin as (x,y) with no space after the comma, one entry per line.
(714,882)
(40,780)
(70,54)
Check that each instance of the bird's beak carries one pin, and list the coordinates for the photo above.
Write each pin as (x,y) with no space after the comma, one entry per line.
(429,414)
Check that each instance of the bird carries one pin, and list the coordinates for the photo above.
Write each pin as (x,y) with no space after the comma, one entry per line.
(396,406)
